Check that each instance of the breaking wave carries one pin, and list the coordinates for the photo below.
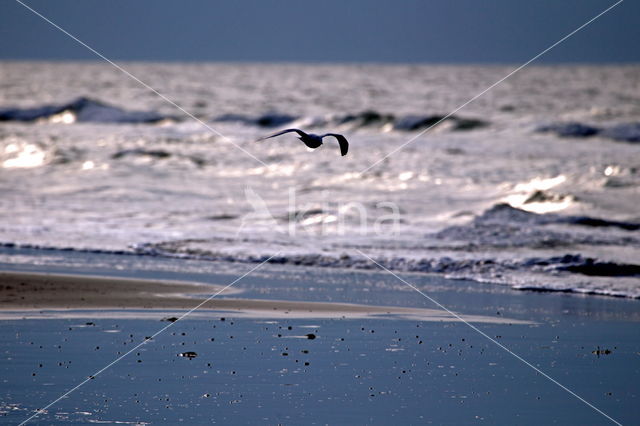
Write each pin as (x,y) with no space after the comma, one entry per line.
(554,258)
(625,132)
(80,110)
(89,110)
(365,119)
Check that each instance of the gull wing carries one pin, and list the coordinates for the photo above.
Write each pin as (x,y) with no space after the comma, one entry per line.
(298,131)
(344,144)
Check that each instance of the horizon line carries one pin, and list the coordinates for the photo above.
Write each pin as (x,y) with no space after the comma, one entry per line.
(327,62)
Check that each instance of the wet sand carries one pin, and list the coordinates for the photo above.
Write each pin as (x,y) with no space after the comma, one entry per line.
(60,291)
(33,291)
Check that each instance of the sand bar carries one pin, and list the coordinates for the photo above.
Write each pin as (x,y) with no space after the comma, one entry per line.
(28,292)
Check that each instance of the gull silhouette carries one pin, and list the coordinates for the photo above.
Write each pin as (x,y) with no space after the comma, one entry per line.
(314,141)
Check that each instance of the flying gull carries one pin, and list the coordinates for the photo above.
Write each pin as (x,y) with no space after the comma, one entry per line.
(314,141)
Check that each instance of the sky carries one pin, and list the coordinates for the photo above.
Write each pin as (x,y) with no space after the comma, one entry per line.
(394,31)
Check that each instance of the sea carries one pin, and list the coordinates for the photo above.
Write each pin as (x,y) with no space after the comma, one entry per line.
(533,184)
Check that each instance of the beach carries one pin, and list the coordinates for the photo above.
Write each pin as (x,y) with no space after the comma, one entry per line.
(296,345)
(476,267)
(304,213)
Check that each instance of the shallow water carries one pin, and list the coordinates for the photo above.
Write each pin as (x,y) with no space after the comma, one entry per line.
(102,177)
(359,371)
(384,371)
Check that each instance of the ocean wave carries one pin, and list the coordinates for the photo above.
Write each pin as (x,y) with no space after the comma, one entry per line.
(80,110)
(506,226)
(154,153)
(480,250)
(264,120)
(111,186)
(85,109)
(571,129)
(625,132)
(365,119)
(504,213)
(420,122)
(157,154)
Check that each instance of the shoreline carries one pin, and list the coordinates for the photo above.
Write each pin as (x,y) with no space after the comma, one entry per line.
(27,292)
(36,250)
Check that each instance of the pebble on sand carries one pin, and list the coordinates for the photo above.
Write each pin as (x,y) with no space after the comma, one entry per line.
(188,354)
